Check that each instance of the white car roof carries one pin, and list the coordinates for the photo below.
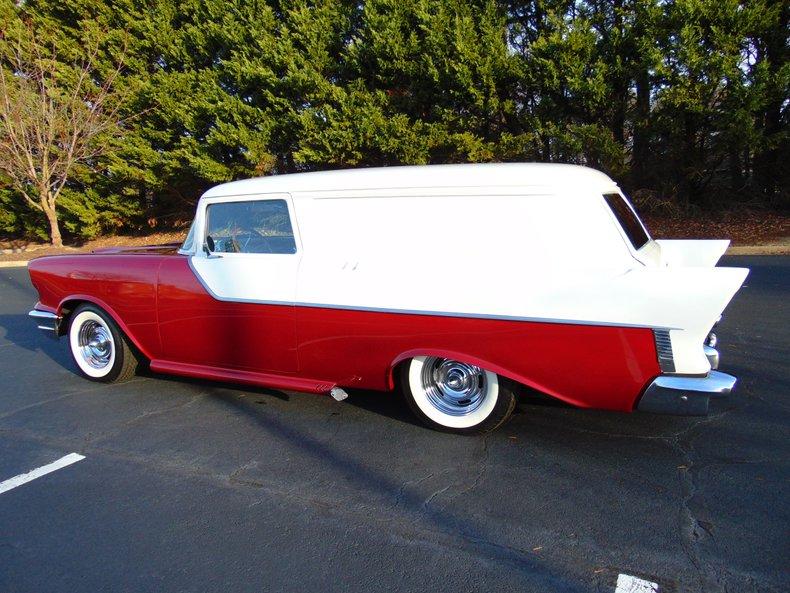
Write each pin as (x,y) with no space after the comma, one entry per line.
(422,176)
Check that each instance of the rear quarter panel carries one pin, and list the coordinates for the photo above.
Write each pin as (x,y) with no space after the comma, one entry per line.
(587,366)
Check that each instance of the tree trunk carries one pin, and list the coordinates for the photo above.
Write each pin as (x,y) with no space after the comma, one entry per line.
(736,169)
(54,228)
(621,82)
(689,162)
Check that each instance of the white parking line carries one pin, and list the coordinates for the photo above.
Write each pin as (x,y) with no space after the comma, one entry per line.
(11,483)
(629,584)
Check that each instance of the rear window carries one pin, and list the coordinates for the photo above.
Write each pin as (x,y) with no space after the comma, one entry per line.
(628,219)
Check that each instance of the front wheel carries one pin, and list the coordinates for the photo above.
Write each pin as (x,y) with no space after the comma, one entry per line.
(455,396)
(99,349)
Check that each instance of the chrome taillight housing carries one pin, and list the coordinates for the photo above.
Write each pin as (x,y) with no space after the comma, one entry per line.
(710,347)
(666,360)
(711,340)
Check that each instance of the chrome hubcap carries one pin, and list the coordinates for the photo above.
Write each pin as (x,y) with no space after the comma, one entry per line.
(453,387)
(95,344)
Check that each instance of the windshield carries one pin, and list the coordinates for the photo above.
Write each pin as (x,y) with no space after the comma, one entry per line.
(626,216)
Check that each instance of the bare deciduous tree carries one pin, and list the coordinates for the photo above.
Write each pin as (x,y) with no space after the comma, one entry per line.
(52,120)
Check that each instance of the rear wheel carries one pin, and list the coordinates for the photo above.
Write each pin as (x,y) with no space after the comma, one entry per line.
(455,396)
(99,349)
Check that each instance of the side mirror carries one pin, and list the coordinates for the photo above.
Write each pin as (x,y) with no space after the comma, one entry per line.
(208,248)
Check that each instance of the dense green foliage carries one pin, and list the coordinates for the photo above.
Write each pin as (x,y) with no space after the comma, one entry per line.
(683,100)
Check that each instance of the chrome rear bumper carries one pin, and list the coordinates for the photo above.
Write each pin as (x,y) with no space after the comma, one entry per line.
(685,396)
(47,322)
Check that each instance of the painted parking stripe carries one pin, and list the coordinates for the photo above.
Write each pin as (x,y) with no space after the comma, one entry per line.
(12,483)
(629,584)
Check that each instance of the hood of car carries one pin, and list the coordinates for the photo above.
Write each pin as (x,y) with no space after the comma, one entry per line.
(166,249)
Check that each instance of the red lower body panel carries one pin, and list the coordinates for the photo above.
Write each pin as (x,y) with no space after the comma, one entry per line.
(160,303)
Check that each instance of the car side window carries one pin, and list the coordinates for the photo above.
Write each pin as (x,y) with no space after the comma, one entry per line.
(257,226)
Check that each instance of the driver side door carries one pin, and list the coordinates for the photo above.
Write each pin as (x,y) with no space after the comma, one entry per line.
(244,266)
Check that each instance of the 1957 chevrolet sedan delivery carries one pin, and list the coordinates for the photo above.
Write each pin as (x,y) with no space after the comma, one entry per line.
(457,282)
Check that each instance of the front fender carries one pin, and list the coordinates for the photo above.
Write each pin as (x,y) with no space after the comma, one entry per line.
(67,304)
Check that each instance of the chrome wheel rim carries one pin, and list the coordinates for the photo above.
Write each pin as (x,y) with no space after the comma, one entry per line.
(95,344)
(452,387)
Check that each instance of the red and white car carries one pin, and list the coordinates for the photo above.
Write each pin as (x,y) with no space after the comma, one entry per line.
(456,282)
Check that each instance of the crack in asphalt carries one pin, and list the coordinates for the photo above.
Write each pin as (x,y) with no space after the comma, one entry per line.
(402,490)
(234,476)
(433,495)
(483,466)
(66,395)
(37,404)
(147,414)
(692,530)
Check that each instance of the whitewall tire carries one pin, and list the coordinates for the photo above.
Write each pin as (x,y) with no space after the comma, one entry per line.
(100,351)
(454,396)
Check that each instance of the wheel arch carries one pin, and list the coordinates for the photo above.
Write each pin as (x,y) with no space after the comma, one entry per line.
(68,304)
(520,378)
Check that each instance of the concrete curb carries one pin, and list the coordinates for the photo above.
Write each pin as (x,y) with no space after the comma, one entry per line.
(13,264)
(759,250)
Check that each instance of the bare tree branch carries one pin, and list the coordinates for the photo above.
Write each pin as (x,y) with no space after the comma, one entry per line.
(50,124)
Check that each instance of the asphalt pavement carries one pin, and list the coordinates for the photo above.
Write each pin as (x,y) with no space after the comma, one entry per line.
(196,486)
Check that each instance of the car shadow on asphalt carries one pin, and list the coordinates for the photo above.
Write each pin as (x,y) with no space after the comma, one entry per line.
(534,411)
(536,417)
(208,384)
(390,405)
(22,332)
(387,404)
(476,538)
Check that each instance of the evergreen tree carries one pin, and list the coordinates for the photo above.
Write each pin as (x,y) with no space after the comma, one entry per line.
(682,99)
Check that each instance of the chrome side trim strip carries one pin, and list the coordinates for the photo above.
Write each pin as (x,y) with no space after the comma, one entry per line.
(46,321)
(685,396)
(467,315)
(418,311)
